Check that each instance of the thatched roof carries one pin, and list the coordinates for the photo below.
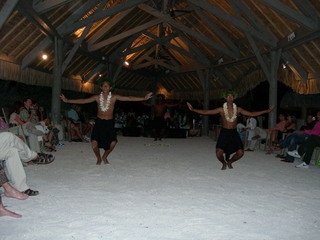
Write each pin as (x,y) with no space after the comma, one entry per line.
(169,44)
(294,100)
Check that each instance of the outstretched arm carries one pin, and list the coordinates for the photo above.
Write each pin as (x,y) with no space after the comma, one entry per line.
(202,111)
(148,104)
(133,99)
(254,114)
(78,101)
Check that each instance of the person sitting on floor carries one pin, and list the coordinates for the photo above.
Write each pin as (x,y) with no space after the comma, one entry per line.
(11,192)
(14,151)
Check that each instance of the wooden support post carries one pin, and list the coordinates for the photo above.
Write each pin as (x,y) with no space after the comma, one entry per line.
(204,78)
(273,87)
(57,81)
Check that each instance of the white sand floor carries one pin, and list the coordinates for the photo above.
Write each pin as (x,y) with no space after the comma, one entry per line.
(175,190)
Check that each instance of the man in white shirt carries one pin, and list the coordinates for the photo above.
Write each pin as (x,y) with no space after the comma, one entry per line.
(251,125)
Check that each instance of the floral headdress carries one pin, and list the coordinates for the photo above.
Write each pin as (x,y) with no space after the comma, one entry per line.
(227,92)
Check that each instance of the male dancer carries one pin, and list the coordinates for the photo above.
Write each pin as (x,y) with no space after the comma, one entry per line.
(229,140)
(159,123)
(103,133)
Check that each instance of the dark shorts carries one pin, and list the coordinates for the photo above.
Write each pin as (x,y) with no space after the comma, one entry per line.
(159,122)
(104,133)
(229,140)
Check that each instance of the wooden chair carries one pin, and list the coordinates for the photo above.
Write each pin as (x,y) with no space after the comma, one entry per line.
(6,115)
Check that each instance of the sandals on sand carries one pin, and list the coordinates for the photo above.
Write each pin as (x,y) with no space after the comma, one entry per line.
(30,192)
(43,158)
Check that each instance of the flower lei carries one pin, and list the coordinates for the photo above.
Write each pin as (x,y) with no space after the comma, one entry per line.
(106,107)
(226,113)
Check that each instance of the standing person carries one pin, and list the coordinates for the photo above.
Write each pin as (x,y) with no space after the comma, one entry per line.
(159,123)
(103,133)
(229,140)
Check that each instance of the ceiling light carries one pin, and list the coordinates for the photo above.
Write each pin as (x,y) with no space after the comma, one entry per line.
(126,63)
(44,56)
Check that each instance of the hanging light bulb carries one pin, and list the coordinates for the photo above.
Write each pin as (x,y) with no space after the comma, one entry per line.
(44,56)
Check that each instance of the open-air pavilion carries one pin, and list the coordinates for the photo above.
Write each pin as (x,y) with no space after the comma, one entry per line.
(189,49)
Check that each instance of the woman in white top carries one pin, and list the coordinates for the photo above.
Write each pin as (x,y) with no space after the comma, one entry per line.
(15,119)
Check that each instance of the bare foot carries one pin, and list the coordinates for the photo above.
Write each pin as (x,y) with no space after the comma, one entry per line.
(224,166)
(98,162)
(229,165)
(16,194)
(106,161)
(6,212)
(31,163)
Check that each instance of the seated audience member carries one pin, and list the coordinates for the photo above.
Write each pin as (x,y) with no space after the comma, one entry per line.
(120,119)
(48,134)
(183,120)
(251,124)
(291,125)
(176,116)
(241,128)
(15,119)
(131,119)
(291,142)
(248,130)
(56,129)
(14,151)
(142,120)
(29,128)
(11,192)
(279,128)
(305,150)
(274,132)
(309,123)
(42,113)
(74,124)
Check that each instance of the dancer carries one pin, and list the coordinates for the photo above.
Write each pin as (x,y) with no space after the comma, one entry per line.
(103,133)
(159,123)
(229,140)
